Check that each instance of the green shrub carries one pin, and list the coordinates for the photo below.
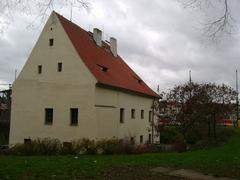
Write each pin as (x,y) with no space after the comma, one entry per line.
(168,135)
(192,136)
(179,143)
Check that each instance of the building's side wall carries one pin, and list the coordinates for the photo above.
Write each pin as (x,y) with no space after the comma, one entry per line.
(71,88)
(108,104)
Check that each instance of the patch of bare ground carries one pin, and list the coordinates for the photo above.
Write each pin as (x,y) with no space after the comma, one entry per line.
(134,173)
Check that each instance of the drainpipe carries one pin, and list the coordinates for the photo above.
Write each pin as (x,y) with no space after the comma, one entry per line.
(153,120)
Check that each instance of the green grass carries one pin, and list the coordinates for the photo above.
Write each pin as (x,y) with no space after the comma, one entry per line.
(222,161)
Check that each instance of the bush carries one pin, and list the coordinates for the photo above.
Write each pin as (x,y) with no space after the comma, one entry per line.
(168,135)
(111,146)
(49,146)
(44,146)
(192,136)
(179,143)
(84,146)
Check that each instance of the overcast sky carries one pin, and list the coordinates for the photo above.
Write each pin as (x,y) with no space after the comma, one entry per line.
(160,40)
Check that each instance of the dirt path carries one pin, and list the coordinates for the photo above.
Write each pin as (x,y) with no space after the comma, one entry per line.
(162,173)
(187,173)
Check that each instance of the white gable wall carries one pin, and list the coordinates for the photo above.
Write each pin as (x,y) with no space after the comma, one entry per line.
(71,88)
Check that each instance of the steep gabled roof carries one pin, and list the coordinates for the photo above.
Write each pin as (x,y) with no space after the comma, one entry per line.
(107,69)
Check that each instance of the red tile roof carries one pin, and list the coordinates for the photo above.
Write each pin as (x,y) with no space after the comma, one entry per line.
(107,69)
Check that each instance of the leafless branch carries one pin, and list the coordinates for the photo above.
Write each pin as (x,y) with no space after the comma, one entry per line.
(218,27)
(222,25)
(29,7)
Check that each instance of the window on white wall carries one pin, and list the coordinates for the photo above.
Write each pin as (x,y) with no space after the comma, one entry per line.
(133,113)
(132,140)
(142,114)
(39,69)
(59,67)
(48,115)
(51,42)
(141,139)
(149,138)
(150,116)
(74,116)
(121,115)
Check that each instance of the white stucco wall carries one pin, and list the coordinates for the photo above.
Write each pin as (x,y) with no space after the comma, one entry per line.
(108,116)
(74,87)
(71,88)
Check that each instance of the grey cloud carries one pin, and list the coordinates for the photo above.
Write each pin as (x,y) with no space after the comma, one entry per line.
(160,40)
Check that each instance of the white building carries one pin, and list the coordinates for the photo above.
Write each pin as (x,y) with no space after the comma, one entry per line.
(75,85)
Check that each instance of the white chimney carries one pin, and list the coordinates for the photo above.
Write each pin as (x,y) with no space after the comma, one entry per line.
(97,36)
(113,46)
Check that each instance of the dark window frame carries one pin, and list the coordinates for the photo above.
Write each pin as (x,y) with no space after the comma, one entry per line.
(49,116)
(51,42)
(133,113)
(39,69)
(149,138)
(74,116)
(142,114)
(132,140)
(59,67)
(122,115)
(141,139)
(150,116)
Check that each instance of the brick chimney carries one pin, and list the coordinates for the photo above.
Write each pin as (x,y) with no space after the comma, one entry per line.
(97,36)
(113,46)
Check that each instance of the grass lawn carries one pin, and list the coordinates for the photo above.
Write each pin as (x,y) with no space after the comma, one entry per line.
(222,161)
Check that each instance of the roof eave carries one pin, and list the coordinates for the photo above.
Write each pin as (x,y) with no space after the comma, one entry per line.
(107,86)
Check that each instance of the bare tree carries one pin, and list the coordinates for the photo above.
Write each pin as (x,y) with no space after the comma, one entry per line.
(220,25)
(200,107)
(39,9)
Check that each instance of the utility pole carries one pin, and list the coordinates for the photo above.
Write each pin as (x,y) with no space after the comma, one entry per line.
(71,9)
(190,77)
(15,74)
(190,84)
(237,98)
(152,122)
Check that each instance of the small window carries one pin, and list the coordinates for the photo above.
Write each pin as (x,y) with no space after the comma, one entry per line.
(51,42)
(74,116)
(141,139)
(48,116)
(142,114)
(133,113)
(39,69)
(103,68)
(132,141)
(150,116)
(149,138)
(59,67)
(121,115)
